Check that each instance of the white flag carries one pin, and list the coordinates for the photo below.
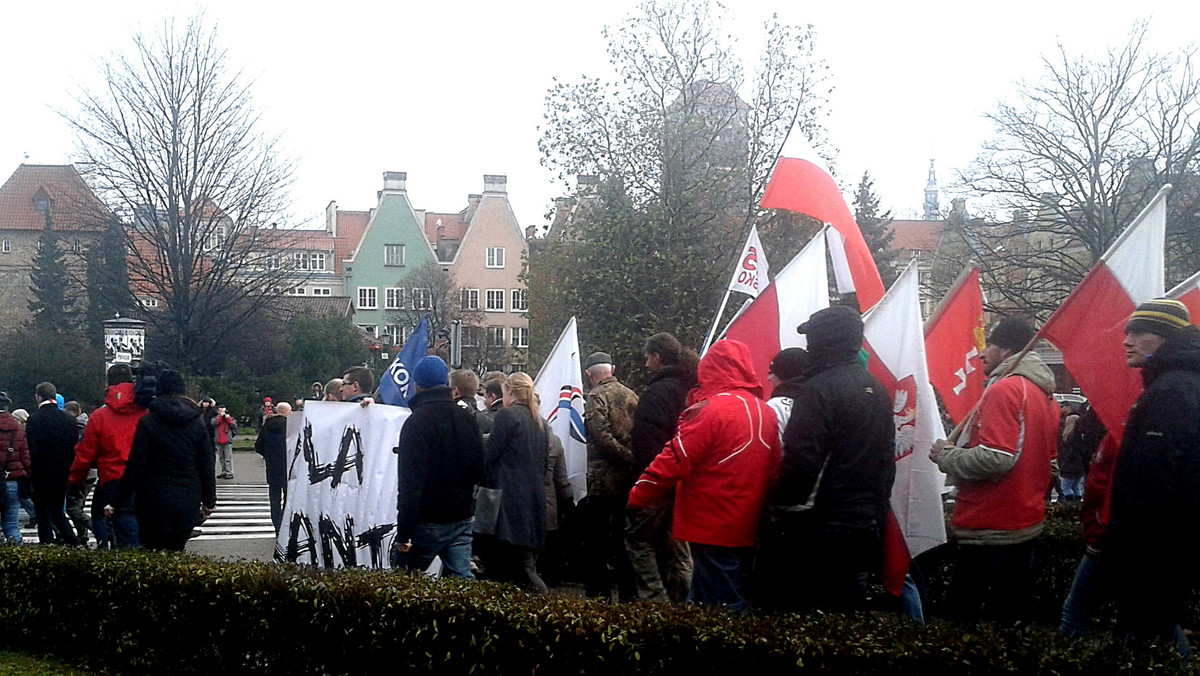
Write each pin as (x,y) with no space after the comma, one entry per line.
(559,385)
(895,338)
(750,275)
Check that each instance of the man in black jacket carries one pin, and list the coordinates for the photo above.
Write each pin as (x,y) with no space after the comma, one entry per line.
(51,435)
(441,461)
(1156,485)
(830,505)
(652,551)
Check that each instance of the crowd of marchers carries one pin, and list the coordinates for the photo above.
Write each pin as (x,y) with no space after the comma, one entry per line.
(707,490)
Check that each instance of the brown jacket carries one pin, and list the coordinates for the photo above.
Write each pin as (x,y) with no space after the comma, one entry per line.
(608,421)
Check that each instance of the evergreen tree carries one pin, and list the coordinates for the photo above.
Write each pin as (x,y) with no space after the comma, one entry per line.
(53,298)
(107,281)
(875,230)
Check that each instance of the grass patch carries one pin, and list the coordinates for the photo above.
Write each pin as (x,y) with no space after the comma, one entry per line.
(18,664)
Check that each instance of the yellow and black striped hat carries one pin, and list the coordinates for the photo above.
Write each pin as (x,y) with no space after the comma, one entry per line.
(1161,316)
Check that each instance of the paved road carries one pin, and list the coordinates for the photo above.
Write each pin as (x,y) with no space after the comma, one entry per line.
(241,526)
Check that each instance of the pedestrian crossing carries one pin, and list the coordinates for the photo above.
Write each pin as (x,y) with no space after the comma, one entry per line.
(243,513)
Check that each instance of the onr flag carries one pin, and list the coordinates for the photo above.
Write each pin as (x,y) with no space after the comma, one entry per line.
(750,275)
(954,340)
(1188,293)
(559,386)
(800,182)
(894,338)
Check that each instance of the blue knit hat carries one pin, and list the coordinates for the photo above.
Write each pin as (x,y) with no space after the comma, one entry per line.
(430,372)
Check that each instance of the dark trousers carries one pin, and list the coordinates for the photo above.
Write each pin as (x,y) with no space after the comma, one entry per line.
(717,575)
(49,502)
(121,530)
(992,582)
(506,562)
(604,546)
(803,567)
(662,565)
(276,495)
(173,540)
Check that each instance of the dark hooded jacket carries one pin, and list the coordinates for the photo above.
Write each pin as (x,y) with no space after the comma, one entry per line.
(272,446)
(723,458)
(170,466)
(441,462)
(16,463)
(1156,486)
(657,414)
(839,445)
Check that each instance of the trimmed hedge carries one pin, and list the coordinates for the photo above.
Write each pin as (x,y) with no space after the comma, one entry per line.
(143,612)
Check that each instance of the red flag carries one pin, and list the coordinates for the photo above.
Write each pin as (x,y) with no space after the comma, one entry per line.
(769,323)
(1089,327)
(954,339)
(800,182)
(1188,293)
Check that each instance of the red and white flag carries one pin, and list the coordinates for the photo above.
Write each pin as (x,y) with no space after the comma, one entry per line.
(1188,293)
(1089,327)
(769,323)
(954,339)
(750,275)
(801,182)
(894,337)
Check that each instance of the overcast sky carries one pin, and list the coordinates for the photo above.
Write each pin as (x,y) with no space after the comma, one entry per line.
(451,91)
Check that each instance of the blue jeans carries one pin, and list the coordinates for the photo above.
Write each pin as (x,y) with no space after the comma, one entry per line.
(11,508)
(1083,599)
(120,531)
(1072,489)
(717,576)
(451,541)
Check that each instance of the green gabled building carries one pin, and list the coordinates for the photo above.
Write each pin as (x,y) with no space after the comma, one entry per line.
(392,248)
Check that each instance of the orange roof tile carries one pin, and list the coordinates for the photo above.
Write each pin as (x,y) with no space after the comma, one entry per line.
(453,226)
(73,204)
(916,235)
(351,225)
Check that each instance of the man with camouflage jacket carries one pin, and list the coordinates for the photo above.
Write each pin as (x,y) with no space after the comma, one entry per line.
(608,422)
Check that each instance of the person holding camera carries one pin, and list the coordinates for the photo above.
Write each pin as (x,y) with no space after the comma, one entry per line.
(224,429)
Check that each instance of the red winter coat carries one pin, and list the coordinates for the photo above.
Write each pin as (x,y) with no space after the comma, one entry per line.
(724,456)
(108,437)
(12,434)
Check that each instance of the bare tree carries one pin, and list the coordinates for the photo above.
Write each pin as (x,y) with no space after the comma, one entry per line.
(1076,155)
(175,146)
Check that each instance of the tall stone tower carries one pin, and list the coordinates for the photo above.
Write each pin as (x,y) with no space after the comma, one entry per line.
(931,196)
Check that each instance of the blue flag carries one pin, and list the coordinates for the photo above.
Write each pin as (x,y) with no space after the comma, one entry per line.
(396,385)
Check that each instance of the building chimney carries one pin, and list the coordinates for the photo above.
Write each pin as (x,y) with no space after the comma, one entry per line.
(531,232)
(393,181)
(472,205)
(958,205)
(331,218)
(495,183)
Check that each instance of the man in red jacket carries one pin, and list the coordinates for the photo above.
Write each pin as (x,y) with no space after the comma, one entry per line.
(1003,467)
(723,458)
(105,446)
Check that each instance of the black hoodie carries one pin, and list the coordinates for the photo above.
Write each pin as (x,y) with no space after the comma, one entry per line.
(657,416)
(170,466)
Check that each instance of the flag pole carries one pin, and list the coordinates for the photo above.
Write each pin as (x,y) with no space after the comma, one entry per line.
(708,339)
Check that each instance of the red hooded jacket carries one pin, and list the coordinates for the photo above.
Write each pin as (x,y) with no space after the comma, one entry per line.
(13,436)
(108,437)
(724,457)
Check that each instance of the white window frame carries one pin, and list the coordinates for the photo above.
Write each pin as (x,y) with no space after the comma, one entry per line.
(470,299)
(495,257)
(368,298)
(520,337)
(470,336)
(371,329)
(426,297)
(390,262)
(216,239)
(395,332)
(520,301)
(273,262)
(316,261)
(494,336)
(298,291)
(322,291)
(6,246)
(148,302)
(393,298)
(494,300)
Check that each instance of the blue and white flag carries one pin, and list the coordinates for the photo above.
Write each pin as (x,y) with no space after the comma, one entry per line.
(559,385)
(396,385)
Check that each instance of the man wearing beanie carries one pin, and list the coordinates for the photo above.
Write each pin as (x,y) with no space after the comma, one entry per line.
(829,508)
(1003,465)
(441,461)
(1156,485)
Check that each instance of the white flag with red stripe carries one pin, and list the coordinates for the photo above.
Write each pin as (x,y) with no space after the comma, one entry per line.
(769,323)
(1188,293)
(895,338)
(559,386)
(1089,327)
(801,182)
(750,275)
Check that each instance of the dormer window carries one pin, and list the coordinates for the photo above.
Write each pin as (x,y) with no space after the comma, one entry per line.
(41,201)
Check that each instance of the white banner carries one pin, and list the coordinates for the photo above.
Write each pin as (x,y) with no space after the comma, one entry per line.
(341,491)
(559,386)
(750,275)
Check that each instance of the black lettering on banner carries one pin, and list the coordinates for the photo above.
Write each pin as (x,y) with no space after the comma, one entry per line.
(318,472)
(332,538)
(295,546)
(373,538)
